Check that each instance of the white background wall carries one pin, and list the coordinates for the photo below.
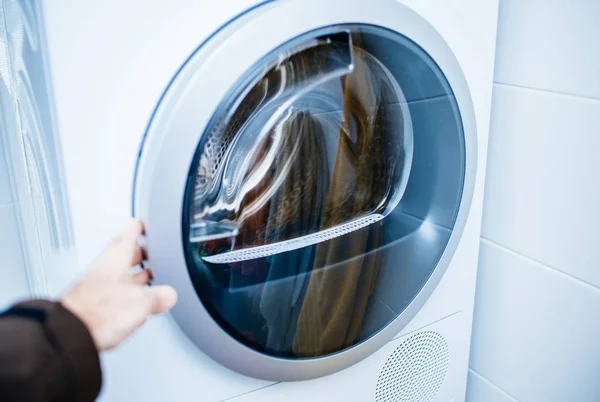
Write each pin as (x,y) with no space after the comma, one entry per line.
(537,313)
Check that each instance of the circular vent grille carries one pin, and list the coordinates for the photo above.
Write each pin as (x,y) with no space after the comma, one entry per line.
(415,371)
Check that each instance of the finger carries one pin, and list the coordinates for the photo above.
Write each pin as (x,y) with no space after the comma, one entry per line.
(132,232)
(142,277)
(138,256)
(121,252)
(160,299)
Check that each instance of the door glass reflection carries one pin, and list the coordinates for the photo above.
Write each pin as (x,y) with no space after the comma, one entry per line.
(302,236)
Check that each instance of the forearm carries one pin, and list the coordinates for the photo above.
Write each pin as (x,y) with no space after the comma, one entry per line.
(47,354)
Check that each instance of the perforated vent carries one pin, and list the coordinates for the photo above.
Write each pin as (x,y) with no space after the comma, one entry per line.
(415,371)
(211,159)
(213,155)
(293,244)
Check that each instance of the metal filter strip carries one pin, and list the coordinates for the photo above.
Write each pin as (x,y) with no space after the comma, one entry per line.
(293,244)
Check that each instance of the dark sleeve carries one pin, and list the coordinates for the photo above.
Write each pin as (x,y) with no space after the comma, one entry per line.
(46,354)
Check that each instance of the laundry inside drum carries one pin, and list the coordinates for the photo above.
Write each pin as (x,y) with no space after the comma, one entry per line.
(319,146)
(323,191)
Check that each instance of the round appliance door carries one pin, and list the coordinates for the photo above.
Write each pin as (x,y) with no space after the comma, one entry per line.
(305,182)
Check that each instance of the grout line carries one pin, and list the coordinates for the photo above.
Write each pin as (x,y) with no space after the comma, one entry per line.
(540,264)
(7,204)
(549,91)
(491,384)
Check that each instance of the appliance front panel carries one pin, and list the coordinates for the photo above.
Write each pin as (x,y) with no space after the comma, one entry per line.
(293,189)
(424,365)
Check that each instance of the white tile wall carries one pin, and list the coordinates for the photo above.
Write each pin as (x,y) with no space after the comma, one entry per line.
(537,311)
(537,330)
(543,193)
(550,44)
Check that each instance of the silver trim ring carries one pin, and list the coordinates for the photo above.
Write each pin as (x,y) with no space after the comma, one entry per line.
(176,129)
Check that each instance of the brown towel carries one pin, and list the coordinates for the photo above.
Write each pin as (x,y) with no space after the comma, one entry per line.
(337,297)
(296,210)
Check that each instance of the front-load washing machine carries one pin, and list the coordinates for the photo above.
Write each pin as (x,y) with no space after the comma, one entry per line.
(310,174)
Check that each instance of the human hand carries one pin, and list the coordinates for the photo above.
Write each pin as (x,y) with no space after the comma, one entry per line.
(111,300)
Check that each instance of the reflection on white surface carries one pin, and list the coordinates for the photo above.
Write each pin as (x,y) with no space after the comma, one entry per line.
(32,148)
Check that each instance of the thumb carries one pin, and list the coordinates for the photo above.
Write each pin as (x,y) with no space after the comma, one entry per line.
(160,298)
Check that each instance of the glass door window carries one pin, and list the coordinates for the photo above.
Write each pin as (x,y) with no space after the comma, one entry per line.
(324,191)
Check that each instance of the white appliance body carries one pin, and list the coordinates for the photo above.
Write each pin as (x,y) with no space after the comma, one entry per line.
(111,63)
